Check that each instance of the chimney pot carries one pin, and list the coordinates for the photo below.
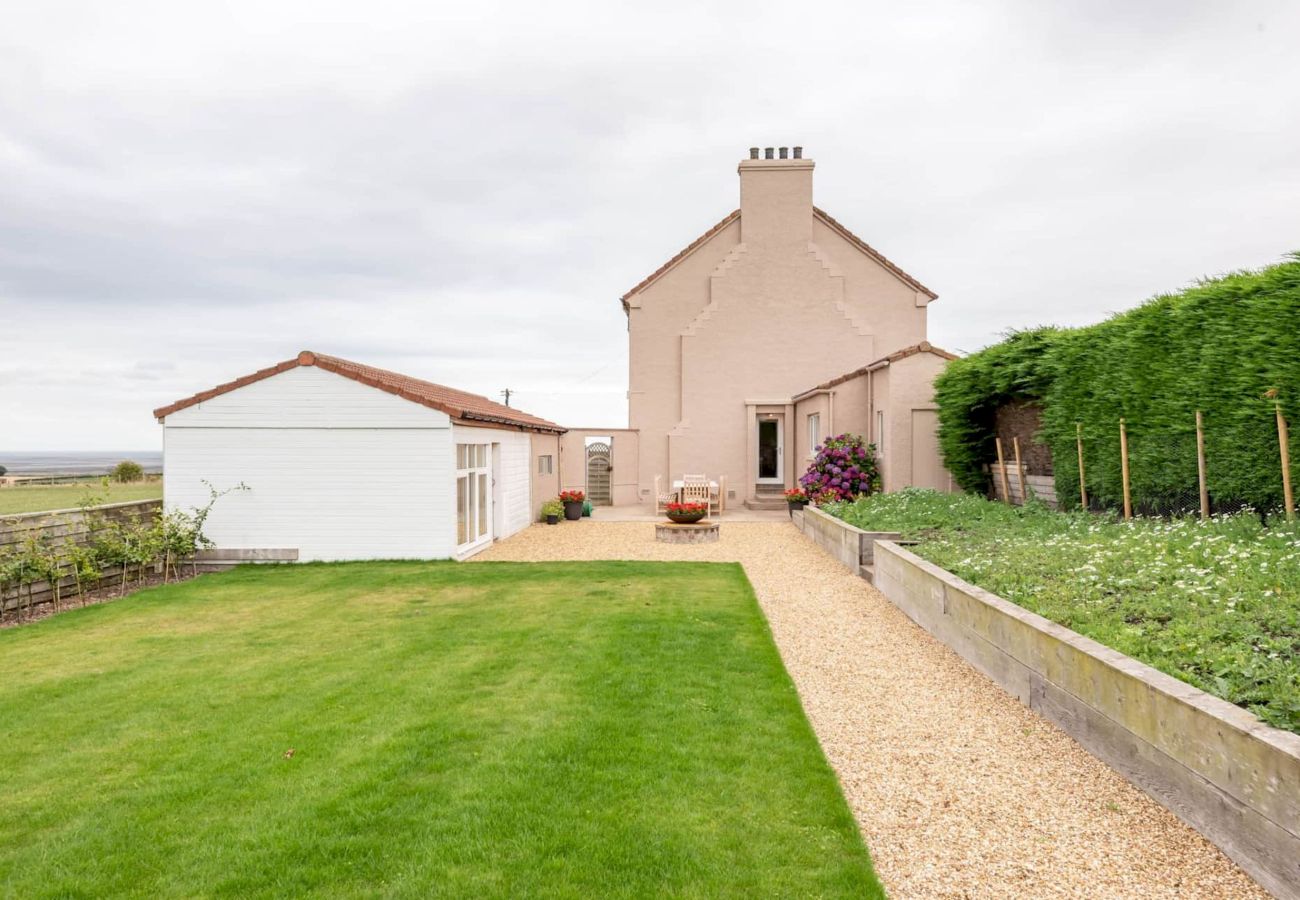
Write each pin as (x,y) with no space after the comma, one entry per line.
(798,152)
(753,153)
(768,152)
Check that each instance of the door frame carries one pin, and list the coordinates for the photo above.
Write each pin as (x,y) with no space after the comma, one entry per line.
(483,478)
(779,421)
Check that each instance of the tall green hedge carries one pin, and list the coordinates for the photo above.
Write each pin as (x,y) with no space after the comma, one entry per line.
(1218,346)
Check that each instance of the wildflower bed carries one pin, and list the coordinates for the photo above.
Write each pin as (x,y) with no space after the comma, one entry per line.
(1214,603)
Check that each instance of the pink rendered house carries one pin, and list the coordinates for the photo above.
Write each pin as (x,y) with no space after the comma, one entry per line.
(774,329)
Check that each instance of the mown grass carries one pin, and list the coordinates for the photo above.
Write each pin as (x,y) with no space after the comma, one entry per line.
(407,729)
(1214,603)
(42,497)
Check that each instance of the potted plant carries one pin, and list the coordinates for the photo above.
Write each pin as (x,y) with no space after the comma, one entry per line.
(551,511)
(572,501)
(686,513)
(796,498)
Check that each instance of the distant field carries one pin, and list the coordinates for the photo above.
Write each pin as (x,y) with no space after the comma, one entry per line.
(41,497)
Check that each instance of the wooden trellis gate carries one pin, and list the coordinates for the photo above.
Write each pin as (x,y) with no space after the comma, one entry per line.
(598,474)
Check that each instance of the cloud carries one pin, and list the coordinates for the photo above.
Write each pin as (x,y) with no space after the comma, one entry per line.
(463,192)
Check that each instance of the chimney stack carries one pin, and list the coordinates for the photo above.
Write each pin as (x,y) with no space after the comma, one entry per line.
(776,196)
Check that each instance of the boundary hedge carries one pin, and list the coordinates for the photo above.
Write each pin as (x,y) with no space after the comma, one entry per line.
(1217,346)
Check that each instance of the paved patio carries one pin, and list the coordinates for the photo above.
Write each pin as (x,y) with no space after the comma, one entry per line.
(959,790)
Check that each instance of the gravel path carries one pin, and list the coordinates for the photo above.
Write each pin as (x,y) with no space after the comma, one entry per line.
(960,790)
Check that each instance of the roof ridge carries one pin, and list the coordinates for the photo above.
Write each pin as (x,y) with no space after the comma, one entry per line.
(903,353)
(456,403)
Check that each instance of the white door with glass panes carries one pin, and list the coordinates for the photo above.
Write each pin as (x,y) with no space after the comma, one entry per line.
(473,496)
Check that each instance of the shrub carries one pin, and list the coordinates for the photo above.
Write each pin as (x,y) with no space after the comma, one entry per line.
(1217,346)
(845,467)
(127,471)
(552,508)
(3,470)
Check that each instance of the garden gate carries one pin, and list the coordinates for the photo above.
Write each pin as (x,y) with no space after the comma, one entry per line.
(598,469)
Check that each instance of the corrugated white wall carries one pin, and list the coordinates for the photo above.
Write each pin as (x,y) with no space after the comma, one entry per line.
(336,469)
(512,474)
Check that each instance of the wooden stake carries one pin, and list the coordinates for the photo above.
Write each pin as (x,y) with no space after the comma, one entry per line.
(1020,470)
(1283,442)
(1200,465)
(1083,484)
(1123,465)
(1002,468)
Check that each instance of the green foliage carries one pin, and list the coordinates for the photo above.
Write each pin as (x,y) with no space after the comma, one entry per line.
(845,467)
(1214,603)
(917,512)
(127,471)
(419,729)
(970,390)
(552,508)
(118,542)
(1217,346)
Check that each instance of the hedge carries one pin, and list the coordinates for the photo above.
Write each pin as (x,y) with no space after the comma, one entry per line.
(1218,346)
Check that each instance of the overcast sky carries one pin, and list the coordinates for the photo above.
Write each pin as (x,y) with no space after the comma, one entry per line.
(191,191)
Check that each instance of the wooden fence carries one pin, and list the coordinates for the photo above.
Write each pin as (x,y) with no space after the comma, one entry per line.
(58,527)
(1041,487)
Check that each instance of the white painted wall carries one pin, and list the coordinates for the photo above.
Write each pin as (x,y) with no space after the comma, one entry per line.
(512,475)
(336,469)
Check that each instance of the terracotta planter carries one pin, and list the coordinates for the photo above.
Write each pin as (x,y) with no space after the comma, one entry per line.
(686,518)
(573,510)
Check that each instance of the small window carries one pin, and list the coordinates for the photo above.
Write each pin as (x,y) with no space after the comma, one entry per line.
(545,465)
(880,432)
(814,432)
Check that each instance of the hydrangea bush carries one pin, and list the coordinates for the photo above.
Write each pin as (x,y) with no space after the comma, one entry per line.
(845,468)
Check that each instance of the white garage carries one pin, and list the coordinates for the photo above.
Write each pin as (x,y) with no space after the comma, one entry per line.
(346,461)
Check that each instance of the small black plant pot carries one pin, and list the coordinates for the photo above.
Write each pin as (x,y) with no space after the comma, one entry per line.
(573,510)
(796,504)
(552,520)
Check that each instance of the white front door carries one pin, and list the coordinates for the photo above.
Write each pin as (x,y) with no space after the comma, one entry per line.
(473,496)
(771,451)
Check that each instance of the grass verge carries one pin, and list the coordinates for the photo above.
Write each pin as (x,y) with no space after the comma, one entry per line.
(43,497)
(417,729)
(1214,603)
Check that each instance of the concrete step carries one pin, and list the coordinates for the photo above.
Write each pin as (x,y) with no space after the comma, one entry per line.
(777,502)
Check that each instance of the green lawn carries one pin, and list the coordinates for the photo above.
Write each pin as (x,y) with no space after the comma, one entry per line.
(1215,603)
(42,497)
(496,729)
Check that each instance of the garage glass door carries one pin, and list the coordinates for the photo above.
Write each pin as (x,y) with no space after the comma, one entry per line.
(473,496)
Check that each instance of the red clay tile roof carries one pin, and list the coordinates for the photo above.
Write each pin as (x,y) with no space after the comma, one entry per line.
(874,254)
(457,404)
(923,347)
(821,214)
(693,245)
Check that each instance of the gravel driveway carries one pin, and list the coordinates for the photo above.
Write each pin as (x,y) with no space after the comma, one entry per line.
(960,790)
